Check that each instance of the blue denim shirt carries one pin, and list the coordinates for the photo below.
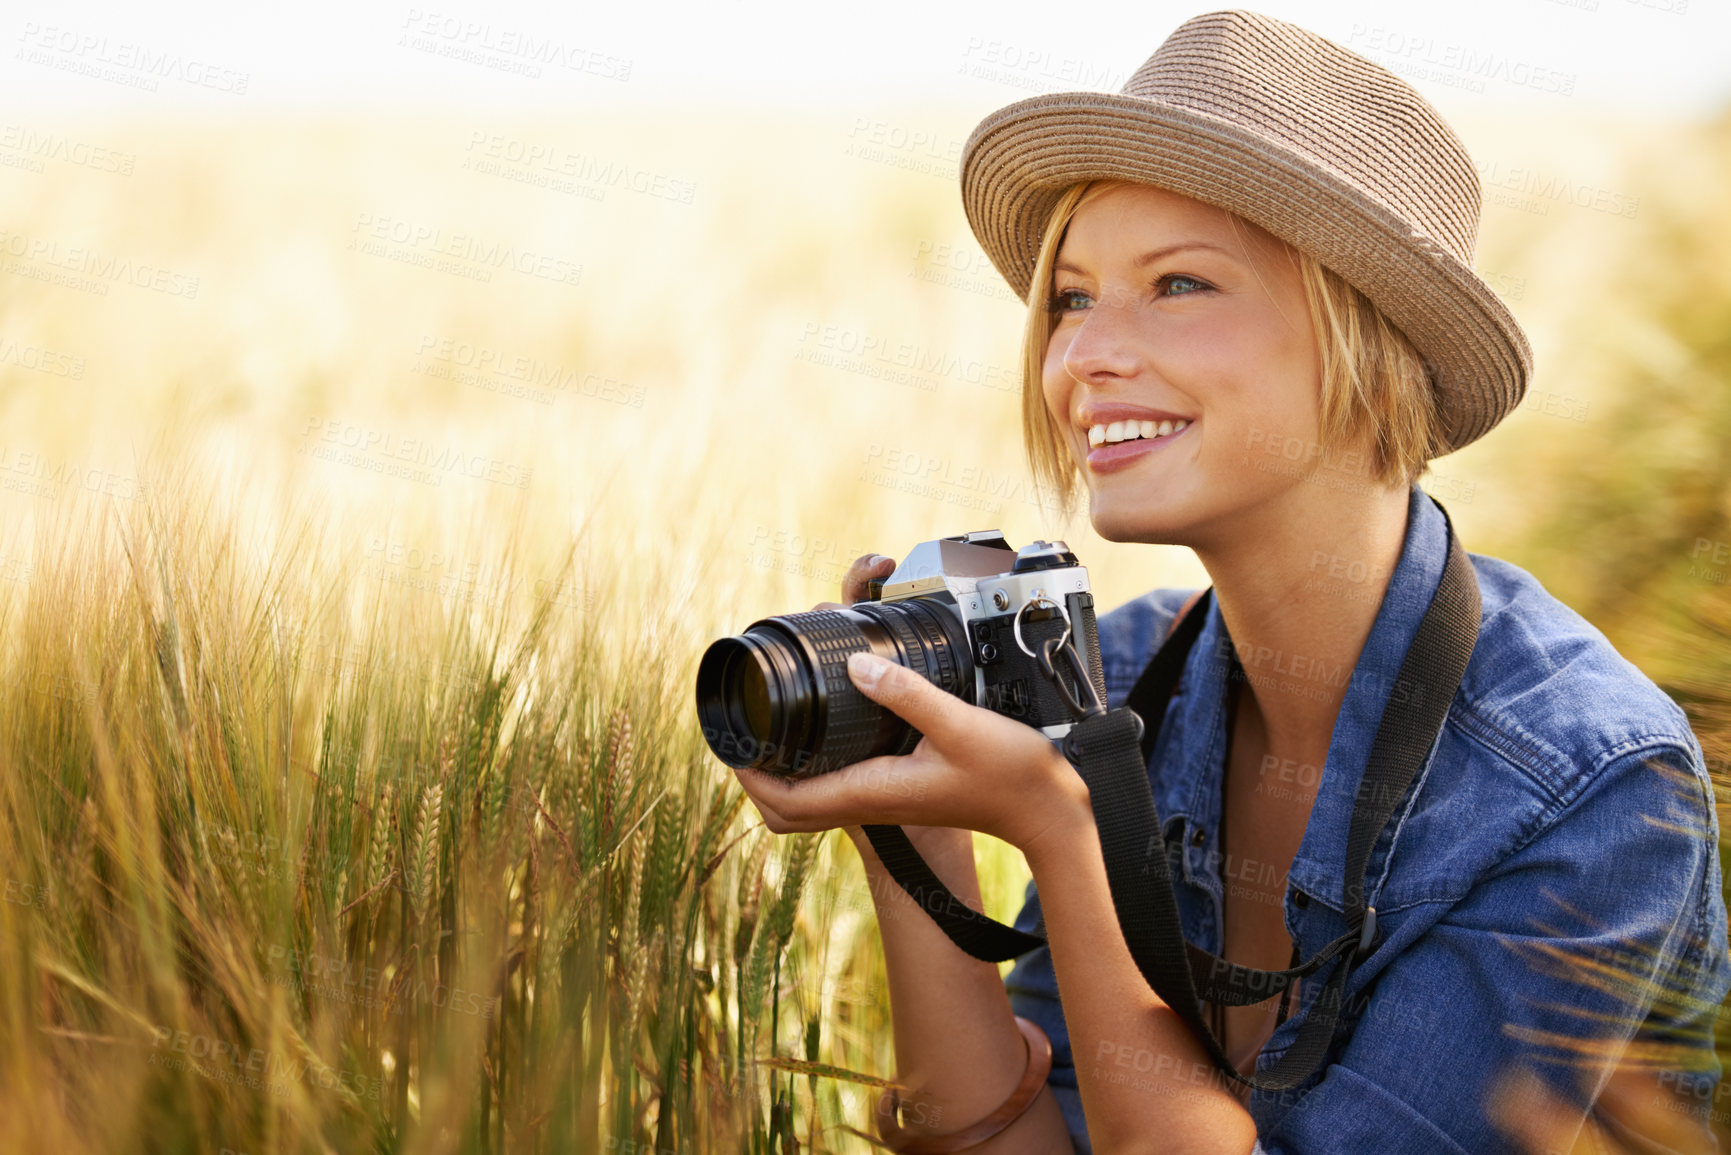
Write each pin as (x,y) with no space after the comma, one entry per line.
(1551,875)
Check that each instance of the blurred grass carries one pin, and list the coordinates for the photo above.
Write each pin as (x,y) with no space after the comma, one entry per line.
(326,772)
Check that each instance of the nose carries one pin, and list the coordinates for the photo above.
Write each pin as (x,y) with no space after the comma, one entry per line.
(1100,344)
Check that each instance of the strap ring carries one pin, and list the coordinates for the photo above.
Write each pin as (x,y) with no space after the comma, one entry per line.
(1366,935)
(1037,597)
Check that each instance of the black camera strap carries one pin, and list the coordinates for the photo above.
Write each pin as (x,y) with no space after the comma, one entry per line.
(1111,750)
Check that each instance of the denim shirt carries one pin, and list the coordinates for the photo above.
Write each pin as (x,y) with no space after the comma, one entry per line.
(1548,884)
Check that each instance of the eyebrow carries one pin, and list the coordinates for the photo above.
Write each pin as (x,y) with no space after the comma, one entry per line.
(1148,257)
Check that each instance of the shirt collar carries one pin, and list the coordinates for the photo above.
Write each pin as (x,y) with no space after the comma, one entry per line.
(1199,759)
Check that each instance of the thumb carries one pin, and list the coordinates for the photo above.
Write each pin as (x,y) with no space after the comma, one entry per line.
(909,696)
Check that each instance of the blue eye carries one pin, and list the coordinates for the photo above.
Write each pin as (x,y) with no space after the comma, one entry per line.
(1181,277)
(1061,302)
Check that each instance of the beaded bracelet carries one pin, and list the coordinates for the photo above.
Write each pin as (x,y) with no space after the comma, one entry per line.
(1039,1065)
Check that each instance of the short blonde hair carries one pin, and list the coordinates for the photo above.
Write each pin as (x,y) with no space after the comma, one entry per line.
(1373,381)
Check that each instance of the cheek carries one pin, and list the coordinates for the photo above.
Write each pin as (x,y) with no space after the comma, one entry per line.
(1053,379)
(1259,386)
(1055,382)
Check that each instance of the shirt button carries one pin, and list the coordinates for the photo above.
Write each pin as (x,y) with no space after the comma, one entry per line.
(1200,837)
(1300,899)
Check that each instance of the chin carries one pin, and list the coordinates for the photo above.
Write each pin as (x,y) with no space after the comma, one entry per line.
(1125,521)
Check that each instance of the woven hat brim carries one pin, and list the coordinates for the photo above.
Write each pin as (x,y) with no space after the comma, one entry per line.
(1018,161)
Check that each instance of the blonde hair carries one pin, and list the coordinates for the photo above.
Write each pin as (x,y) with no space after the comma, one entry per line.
(1374,383)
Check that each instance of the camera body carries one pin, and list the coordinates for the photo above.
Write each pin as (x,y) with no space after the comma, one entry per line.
(967,612)
(967,573)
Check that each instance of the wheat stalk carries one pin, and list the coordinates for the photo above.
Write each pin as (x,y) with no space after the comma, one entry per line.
(750,892)
(424,860)
(379,852)
(634,986)
(618,786)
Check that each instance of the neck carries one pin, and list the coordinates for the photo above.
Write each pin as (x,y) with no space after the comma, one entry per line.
(1299,583)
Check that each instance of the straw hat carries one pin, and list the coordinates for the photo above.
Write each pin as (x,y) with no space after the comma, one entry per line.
(1322,148)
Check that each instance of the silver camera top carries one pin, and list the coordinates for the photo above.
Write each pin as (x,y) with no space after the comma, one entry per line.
(985,578)
(958,564)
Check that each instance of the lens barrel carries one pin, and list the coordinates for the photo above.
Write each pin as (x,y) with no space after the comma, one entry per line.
(778,697)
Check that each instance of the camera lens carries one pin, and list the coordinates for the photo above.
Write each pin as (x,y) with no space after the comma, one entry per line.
(778,696)
(748,686)
(745,692)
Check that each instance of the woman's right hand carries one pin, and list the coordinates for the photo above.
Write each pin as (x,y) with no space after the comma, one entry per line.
(940,846)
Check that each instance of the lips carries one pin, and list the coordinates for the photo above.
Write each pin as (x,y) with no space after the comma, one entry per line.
(1122,454)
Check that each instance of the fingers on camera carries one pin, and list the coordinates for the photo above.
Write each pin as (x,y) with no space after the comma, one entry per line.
(867,565)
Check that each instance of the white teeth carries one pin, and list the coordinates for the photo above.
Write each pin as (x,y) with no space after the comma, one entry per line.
(1129,430)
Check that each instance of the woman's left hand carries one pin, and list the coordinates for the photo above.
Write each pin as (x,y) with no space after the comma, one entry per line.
(973,768)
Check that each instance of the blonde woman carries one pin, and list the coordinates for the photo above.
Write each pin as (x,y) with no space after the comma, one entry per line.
(1252,322)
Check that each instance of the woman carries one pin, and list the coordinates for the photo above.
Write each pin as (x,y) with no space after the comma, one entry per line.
(1252,323)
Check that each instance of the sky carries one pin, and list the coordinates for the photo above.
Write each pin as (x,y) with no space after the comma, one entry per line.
(1633,57)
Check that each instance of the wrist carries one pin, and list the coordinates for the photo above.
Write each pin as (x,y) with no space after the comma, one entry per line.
(1068,830)
(1037,1064)
(1065,816)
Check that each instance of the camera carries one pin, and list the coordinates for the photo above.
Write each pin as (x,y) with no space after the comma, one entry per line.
(967,613)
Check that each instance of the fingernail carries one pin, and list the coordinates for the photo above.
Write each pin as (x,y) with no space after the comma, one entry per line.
(866,668)
(879,559)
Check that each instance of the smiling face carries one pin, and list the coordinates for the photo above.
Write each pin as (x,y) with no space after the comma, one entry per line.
(1165,312)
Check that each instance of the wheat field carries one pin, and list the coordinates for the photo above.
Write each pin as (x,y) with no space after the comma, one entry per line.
(369,488)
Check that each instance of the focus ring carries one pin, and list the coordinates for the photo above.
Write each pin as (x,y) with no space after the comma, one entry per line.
(950,675)
(913,656)
(849,720)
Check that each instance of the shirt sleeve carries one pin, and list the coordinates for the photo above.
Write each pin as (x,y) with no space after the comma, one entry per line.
(1608,918)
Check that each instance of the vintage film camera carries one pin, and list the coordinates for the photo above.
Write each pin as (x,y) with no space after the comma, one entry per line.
(968,613)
